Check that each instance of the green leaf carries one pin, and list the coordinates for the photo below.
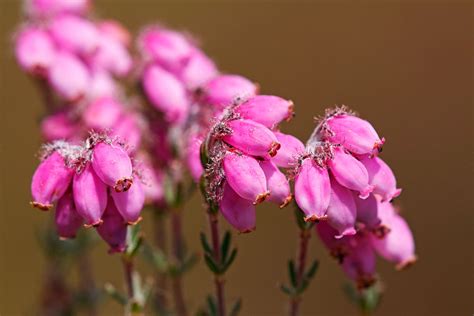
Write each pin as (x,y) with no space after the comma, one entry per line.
(312,270)
(114,294)
(212,264)
(292,273)
(231,259)
(203,154)
(287,290)
(235,310)
(155,257)
(225,246)
(205,244)
(212,306)
(188,263)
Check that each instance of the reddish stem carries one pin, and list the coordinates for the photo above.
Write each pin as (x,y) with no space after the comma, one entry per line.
(218,280)
(305,234)
(176,228)
(128,273)
(160,243)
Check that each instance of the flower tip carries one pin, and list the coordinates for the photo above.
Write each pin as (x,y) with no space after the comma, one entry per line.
(41,206)
(248,230)
(291,111)
(117,249)
(261,197)
(406,263)
(123,185)
(95,224)
(364,194)
(64,238)
(381,231)
(274,149)
(287,201)
(378,146)
(365,281)
(348,232)
(135,222)
(315,218)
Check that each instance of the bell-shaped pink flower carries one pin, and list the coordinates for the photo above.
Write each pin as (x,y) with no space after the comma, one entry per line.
(381,177)
(226,89)
(355,134)
(277,183)
(312,190)
(113,230)
(359,264)
(338,247)
(128,130)
(268,110)
(193,158)
(398,244)
(367,212)
(102,85)
(67,220)
(112,55)
(239,212)
(252,138)
(199,70)
(85,39)
(166,93)
(350,172)
(44,8)
(58,125)
(290,151)
(341,211)
(113,166)
(115,30)
(90,196)
(50,181)
(34,50)
(244,174)
(102,113)
(69,76)
(130,203)
(169,48)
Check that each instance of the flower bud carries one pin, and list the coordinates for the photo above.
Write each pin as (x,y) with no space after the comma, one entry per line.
(268,110)
(359,264)
(239,212)
(67,220)
(90,196)
(112,55)
(252,138)
(102,113)
(102,85)
(86,36)
(246,177)
(277,183)
(290,151)
(367,212)
(199,70)
(397,245)
(116,31)
(58,126)
(113,166)
(130,203)
(69,77)
(166,93)
(355,134)
(312,190)
(382,178)
(193,158)
(341,211)
(34,50)
(350,172)
(225,89)
(113,230)
(50,180)
(44,8)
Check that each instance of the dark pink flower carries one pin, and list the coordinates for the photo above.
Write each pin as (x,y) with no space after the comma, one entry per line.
(224,90)
(257,108)
(277,184)
(381,177)
(341,212)
(114,229)
(290,151)
(130,203)
(67,220)
(239,212)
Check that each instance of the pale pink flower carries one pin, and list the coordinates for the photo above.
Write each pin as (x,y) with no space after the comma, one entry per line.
(130,203)
(86,36)
(45,8)
(277,184)
(381,177)
(34,50)
(224,90)
(257,108)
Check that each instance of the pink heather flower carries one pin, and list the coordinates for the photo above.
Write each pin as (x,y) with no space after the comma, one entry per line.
(338,247)
(246,177)
(359,264)
(115,30)
(113,230)
(112,56)
(398,244)
(381,177)
(90,196)
(152,179)
(367,212)
(193,158)
(69,76)
(168,48)
(58,125)
(130,203)
(252,138)
(50,181)
(199,70)
(226,89)
(166,93)
(128,130)
(290,151)
(102,85)
(355,134)
(350,172)
(102,113)
(34,50)
(312,190)
(239,212)
(67,220)
(43,8)
(112,165)
(86,37)
(257,108)
(277,184)
(341,212)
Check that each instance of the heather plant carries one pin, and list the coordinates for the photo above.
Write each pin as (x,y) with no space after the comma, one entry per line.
(130,136)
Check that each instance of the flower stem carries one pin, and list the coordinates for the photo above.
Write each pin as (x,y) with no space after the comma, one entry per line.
(218,279)
(128,273)
(161,279)
(87,283)
(178,252)
(304,236)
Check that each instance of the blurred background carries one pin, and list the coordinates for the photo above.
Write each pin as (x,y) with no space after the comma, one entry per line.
(406,67)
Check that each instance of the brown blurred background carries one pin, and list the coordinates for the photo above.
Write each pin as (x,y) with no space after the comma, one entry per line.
(407,67)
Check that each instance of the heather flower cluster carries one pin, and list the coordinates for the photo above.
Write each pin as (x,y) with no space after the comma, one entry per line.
(93,185)
(341,183)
